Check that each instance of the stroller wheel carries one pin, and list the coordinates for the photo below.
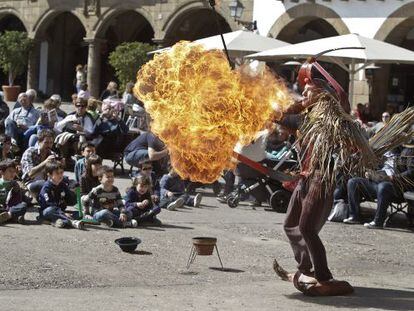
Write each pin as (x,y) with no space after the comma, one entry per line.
(279,201)
(232,201)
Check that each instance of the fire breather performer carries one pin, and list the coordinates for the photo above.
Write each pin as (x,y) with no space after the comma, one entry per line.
(328,137)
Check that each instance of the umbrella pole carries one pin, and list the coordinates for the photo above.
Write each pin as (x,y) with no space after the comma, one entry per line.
(352,84)
(212,4)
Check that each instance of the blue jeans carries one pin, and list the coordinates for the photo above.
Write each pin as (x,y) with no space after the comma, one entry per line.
(105,214)
(33,140)
(188,200)
(135,158)
(384,192)
(53,213)
(137,213)
(13,131)
(35,187)
(18,210)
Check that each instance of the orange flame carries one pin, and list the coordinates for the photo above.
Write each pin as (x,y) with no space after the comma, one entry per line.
(201,107)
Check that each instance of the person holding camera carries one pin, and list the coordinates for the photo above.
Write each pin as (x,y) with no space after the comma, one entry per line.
(34,160)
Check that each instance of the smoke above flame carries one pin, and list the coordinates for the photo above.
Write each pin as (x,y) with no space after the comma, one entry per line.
(201,107)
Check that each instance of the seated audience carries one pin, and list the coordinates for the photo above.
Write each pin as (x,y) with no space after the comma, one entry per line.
(84,92)
(111,91)
(385,185)
(4,113)
(20,119)
(110,130)
(94,108)
(76,128)
(87,149)
(31,97)
(385,118)
(48,119)
(58,102)
(55,196)
(89,178)
(6,151)
(34,160)
(139,201)
(173,193)
(104,202)
(146,147)
(12,200)
(145,169)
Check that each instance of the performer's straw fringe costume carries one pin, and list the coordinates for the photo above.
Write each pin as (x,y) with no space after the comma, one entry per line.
(328,138)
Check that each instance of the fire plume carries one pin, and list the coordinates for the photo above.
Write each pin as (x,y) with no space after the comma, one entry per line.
(201,107)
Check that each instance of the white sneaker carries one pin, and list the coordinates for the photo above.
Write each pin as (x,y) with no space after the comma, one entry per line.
(78,224)
(131,224)
(59,223)
(176,204)
(197,200)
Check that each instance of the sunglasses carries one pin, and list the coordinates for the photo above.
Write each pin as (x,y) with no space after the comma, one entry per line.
(77,106)
(147,168)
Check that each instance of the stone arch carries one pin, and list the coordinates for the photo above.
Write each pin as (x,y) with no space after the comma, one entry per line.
(9,11)
(397,25)
(191,6)
(49,15)
(59,33)
(121,23)
(118,9)
(194,10)
(394,30)
(302,14)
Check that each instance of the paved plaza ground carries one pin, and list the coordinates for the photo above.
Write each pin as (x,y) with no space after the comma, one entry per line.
(44,268)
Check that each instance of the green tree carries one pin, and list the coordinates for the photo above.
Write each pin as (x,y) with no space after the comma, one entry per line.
(15,47)
(127,59)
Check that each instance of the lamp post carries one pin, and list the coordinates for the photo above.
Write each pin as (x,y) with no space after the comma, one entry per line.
(236,11)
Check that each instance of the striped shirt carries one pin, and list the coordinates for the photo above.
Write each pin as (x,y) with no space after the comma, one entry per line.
(99,199)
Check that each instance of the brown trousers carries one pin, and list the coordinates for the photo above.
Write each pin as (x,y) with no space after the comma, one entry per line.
(308,211)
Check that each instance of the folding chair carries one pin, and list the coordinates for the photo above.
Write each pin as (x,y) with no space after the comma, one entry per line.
(402,207)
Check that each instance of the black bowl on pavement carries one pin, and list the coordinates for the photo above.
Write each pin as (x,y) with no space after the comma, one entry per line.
(128,244)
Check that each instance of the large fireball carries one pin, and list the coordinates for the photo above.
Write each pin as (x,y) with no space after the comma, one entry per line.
(201,107)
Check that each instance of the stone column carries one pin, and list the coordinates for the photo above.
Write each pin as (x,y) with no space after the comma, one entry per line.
(33,67)
(94,65)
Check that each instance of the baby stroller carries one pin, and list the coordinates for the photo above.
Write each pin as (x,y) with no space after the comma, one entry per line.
(262,182)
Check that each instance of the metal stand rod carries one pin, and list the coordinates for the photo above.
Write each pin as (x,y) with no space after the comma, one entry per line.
(218,254)
(191,258)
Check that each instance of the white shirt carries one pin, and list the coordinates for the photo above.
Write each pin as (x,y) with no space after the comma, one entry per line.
(255,151)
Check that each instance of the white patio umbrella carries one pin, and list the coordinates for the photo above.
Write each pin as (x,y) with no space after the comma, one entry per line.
(374,51)
(239,43)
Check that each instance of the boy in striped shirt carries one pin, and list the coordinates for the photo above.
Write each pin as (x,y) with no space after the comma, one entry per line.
(104,202)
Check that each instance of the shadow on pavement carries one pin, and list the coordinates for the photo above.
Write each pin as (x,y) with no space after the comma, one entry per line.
(231,270)
(145,253)
(365,297)
(176,227)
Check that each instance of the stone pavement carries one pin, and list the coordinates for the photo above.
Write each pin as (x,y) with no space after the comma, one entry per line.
(44,268)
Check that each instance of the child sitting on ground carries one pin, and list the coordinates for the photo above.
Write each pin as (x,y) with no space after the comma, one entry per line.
(87,149)
(139,203)
(89,179)
(145,169)
(104,202)
(55,196)
(173,193)
(11,196)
